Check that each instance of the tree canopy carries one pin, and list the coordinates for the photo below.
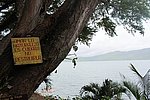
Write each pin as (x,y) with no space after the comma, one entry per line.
(107,15)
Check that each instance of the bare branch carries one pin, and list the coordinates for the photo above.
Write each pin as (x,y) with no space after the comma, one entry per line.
(29,17)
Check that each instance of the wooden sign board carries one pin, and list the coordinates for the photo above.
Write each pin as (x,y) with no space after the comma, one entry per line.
(26,50)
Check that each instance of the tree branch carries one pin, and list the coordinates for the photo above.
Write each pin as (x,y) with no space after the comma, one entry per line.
(29,17)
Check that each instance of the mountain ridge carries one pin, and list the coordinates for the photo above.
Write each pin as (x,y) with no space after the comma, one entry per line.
(141,54)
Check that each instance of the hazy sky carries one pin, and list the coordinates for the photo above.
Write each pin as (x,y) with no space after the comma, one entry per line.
(125,41)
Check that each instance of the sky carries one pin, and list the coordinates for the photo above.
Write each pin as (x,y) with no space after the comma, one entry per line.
(125,41)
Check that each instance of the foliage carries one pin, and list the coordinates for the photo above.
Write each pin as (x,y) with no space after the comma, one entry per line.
(107,91)
(51,97)
(129,13)
(8,16)
(141,90)
(108,14)
(134,89)
(86,35)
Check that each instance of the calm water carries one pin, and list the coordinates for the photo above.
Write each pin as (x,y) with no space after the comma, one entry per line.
(68,80)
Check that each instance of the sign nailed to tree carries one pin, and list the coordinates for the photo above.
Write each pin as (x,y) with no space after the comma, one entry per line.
(26,50)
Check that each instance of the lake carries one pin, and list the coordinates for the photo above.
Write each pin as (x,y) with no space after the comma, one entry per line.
(69,80)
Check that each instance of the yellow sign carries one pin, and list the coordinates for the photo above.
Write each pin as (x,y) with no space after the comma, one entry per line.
(26,50)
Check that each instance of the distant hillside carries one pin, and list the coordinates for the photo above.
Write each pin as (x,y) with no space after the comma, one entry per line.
(143,54)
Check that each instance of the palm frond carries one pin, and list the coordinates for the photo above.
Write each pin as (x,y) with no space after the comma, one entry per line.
(140,91)
(135,71)
(146,83)
(92,89)
(108,90)
(133,89)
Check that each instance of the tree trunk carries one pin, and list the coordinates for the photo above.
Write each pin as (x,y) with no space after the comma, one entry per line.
(57,33)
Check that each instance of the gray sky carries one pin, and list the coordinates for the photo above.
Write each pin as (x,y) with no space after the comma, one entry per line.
(125,41)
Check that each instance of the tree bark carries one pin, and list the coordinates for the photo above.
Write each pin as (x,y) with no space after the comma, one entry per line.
(57,33)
